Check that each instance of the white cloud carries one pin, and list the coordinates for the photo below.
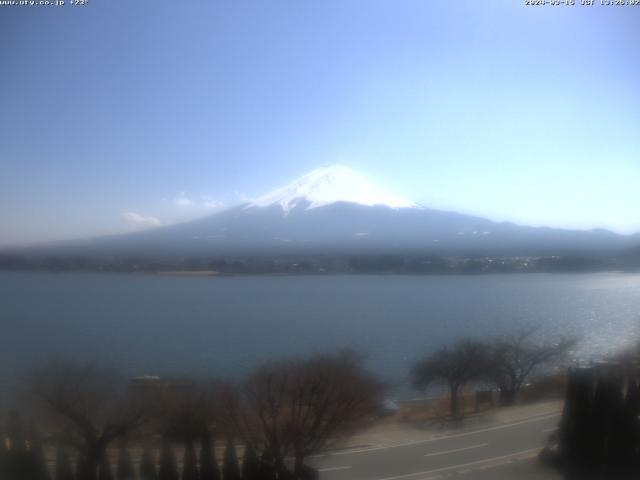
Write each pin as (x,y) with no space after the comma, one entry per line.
(211,203)
(141,220)
(182,200)
(242,197)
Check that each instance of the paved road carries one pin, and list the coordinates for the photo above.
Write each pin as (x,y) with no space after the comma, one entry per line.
(473,450)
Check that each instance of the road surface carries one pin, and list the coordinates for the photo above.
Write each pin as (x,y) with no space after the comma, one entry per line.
(472,452)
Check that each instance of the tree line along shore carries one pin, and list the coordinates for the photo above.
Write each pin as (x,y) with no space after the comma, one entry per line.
(308,264)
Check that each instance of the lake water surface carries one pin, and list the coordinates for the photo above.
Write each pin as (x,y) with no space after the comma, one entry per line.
(223,326)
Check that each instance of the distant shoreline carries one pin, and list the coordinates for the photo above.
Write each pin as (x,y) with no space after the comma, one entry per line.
(309,264)
(186,273)
(218,274)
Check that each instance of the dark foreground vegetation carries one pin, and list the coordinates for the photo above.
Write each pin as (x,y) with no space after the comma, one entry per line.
(95,425)
(599,434)
(269,424)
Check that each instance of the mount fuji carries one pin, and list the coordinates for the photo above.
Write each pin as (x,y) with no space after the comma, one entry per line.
(338,210)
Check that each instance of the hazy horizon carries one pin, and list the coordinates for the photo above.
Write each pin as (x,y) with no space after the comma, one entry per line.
(120,117)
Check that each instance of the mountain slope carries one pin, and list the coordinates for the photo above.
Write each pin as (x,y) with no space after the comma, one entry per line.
(343,227)
(337,210)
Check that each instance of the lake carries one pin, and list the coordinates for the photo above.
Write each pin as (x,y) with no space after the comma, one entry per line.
(223,326)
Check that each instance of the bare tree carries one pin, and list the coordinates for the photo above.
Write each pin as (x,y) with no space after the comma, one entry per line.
(89,405)
(184,410)
(330,397)
(296,408)
(513,359)
(263,410)
(454,367)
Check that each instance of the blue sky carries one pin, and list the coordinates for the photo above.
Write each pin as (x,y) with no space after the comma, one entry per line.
(122,114)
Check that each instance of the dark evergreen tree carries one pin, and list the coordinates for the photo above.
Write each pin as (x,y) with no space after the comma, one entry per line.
(125,469)
(250,464)
(230,467)
(305,472)
(36,461)
(148,469)
(607,402)
(283,473)
(104,468)
(631,432)
(63,465)
(575,437)
(267,468)
(209,469)
(189,464)
(619,434)
(3,453)
(17,456)
(168,468)
(82,468)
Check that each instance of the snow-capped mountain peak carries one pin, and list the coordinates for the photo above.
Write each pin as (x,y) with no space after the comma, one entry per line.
(328,185)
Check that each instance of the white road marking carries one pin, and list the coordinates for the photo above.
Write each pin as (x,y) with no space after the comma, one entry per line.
(480,445)
(462,465)
(549,430)
(444,437)
(333,469)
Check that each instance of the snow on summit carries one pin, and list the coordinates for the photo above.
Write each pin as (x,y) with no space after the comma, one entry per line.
(327,185)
